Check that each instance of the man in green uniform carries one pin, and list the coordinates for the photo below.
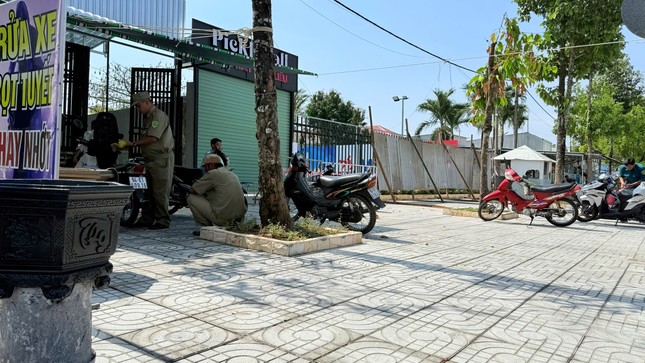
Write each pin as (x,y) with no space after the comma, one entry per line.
(216,198)
(631,174)
(157,147)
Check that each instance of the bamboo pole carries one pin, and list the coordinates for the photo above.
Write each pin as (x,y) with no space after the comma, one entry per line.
(458,171)
(378,160)
(421,158)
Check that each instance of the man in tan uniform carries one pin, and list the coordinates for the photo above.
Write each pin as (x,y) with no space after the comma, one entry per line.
(157,147)
(216,198)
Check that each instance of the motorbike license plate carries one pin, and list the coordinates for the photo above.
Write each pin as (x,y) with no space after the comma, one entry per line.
(138,182)
(374,193)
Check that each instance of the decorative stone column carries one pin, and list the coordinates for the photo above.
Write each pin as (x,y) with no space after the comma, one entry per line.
(56,238)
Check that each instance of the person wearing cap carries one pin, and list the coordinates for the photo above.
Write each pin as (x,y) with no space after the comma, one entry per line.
(216,198)
(157,147)
(631,174)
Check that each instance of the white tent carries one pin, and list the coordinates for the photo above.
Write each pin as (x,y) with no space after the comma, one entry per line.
(525,160)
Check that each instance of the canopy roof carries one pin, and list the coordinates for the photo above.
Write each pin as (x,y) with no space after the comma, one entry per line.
(96,26)
(523,153)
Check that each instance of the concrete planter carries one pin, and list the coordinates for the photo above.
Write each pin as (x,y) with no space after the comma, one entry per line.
(279,247)
(58,226)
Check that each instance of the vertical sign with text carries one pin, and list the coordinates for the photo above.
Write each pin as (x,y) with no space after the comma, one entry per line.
(32,40)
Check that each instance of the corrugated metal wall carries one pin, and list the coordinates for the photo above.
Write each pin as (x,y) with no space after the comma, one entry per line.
(226,110)
(160,16)
(405,171)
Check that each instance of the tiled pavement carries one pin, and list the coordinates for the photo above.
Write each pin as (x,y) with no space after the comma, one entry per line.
(423,287)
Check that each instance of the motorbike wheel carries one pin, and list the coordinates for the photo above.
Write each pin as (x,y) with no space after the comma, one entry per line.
(130,210)
(354,203)
(490,209)
(587,212)
(563,212)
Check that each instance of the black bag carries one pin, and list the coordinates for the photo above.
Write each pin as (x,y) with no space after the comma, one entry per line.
(106,132)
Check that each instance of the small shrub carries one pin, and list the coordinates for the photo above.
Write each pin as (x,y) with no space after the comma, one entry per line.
(304,229)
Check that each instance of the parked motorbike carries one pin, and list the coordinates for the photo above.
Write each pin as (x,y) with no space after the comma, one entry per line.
(182,179)
(551,201)
(133,173)
(351,199)
(592,196)
(624,205)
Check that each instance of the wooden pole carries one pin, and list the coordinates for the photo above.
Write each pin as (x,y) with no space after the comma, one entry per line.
(458,171)
(378,160)
(472,147)
(421,158)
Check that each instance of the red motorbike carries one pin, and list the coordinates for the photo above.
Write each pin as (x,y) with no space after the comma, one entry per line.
(554,202)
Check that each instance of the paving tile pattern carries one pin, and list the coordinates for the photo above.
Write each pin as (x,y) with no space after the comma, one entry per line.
(423,287)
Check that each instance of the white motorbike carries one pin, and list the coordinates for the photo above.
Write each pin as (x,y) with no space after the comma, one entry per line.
(620,206)
(595,195)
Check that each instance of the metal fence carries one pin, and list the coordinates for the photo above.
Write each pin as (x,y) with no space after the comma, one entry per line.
(405,171)
(344,146)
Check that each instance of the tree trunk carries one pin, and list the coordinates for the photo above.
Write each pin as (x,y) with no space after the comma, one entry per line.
(483,177)
(611,154)
(589,138)
(515,125)
(273,205)
(562,126)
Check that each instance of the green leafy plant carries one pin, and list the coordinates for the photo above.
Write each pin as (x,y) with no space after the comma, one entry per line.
(305,229)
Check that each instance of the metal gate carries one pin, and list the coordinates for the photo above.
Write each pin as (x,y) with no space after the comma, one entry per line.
(347,147)
(164,93)
(76,76)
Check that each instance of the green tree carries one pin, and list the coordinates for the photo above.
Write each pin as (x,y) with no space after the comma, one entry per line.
(445,113)
(511,58)
(330,106)
(626,82)
(605,120)
(514,113)
(570,26)
(300,98)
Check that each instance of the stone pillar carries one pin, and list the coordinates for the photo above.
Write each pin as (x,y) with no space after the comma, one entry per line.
(56,238)
(37,329)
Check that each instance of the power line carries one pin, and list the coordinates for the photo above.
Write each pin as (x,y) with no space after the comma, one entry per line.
(402,39)
(356,35)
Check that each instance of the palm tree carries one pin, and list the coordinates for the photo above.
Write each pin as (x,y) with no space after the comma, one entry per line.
(513,113)
(299,100)
(444,112)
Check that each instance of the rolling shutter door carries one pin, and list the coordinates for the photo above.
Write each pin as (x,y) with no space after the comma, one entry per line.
(226,110)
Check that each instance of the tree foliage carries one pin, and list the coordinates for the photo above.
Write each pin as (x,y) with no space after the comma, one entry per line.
(445,113)
(511,59)
(330,106)
(580,36)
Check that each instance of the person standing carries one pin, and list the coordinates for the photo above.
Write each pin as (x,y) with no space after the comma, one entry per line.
(216,198)
(81,158)
(157,147)
(631,174)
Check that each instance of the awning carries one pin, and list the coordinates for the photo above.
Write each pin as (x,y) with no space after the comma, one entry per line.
(79,21)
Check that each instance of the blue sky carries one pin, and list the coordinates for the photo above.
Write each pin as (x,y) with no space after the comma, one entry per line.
(368,66)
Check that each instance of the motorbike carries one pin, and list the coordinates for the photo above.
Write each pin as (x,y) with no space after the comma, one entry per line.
(624,205)
(592,196)
(554,202)
(351,200)
(133,173)
(182,179)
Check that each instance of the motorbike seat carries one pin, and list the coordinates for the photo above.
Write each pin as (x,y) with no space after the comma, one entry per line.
(336,181)
(553,188)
